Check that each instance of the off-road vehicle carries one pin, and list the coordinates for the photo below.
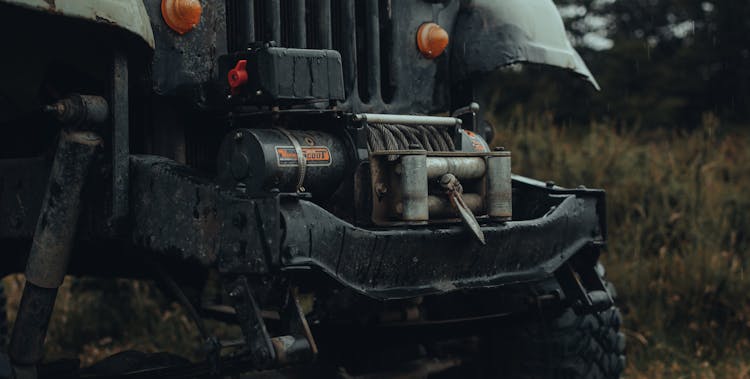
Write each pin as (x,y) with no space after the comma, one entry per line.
(322,166)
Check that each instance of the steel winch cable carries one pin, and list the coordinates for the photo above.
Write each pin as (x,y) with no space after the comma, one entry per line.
(390,137)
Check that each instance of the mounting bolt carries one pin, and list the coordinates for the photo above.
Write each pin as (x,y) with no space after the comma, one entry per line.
(381,189)
(237,291)
(415,146)
(238,136)
(500,148)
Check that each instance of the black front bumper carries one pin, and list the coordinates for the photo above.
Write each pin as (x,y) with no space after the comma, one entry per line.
(178,214)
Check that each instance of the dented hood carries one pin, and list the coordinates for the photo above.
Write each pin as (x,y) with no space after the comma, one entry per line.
(490,34)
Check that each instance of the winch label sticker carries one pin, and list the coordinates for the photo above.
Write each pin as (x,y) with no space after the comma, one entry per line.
(314,155)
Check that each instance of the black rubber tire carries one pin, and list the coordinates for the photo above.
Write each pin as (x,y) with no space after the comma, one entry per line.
(562,344)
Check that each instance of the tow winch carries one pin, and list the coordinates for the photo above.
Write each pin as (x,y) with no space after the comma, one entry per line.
(402,169)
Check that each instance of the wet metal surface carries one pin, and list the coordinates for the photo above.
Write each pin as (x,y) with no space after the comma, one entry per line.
(126,14)
(56,227)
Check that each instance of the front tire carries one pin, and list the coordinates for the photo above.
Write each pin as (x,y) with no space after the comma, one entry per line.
(559,343)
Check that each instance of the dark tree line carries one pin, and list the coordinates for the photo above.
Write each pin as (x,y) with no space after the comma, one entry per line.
(659,63)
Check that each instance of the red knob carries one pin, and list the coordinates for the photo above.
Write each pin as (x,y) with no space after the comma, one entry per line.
(237,76)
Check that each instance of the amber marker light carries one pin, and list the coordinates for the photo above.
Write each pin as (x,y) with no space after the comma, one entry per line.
(431,40)
(181,15)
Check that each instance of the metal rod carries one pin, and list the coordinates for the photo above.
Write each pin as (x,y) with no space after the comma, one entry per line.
(30,330)
(324,24)
(372,25)
(349,46)
(273,17)
(300,29)
(440,206)
(471,108)
(249,19)
(499,187)
(461,167)
(378,118)
(120,141)
(53,240)
(414,187)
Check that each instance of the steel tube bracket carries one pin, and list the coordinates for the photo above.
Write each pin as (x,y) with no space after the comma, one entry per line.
(53,240)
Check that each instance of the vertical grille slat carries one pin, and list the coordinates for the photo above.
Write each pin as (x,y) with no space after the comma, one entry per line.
(250,17)
(372,47)
(299,29)
(348,47)
(360,47)
(323,24)
(360,30)
(387,87)
(239,24)
(273,20)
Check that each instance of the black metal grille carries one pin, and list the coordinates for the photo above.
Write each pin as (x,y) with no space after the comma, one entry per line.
(359,29)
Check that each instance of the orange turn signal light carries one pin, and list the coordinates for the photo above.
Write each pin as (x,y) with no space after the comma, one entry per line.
(431,40)
(181,15)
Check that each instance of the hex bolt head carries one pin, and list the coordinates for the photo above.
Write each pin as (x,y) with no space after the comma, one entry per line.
(381,189)
(237,291)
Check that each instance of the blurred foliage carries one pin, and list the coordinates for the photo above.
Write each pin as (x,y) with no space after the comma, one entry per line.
(670,62)
(96,318)
(679,217)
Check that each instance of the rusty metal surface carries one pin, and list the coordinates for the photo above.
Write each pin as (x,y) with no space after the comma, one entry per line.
(387,192)
(129,15)
(56,226)
(463,168)
(30,329)
(52,244)
(440,206)
(184,64)
(179,213)
(400,263)
(413,204)
(120,140)
(499,188)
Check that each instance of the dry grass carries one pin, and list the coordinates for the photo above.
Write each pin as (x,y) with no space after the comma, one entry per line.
(95,318)
(679,218)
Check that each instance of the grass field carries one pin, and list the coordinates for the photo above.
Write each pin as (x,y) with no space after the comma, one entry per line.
(679,218)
